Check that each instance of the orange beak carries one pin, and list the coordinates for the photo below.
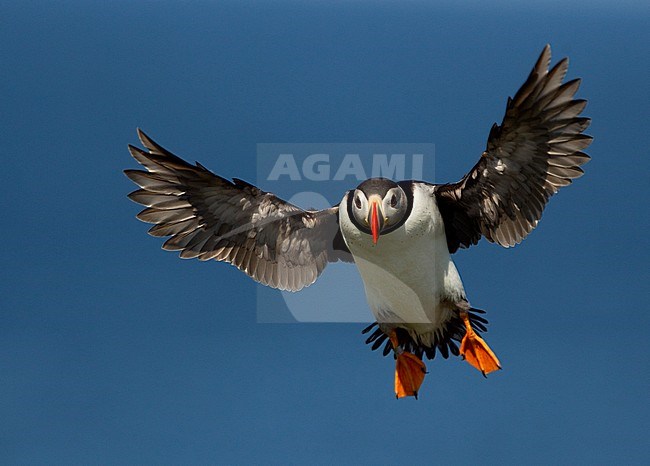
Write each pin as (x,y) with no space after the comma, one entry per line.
(374,222)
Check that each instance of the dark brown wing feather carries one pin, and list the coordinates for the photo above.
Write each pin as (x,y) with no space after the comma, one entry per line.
(209,217)
(535,151)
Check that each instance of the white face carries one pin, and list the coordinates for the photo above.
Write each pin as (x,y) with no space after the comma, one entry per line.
(391,208)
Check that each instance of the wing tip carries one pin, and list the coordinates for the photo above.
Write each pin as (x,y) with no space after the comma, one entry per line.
(544,59)
(131,173)
(142,136)
(150,144)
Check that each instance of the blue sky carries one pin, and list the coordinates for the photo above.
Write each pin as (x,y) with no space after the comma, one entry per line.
(113,351)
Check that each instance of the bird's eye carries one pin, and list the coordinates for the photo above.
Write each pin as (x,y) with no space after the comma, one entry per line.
(393,201)
(357,202)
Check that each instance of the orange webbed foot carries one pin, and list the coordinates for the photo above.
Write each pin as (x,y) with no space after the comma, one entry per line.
(476,352)
(409,371)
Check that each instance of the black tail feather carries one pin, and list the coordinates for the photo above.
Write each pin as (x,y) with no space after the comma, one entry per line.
(387,348)
(379,341)
(445,344)
(368,328)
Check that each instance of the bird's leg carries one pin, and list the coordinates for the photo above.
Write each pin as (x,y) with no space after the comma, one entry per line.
(409,370)
(475,351)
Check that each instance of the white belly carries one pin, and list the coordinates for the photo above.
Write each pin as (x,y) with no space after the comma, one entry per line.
(410,280)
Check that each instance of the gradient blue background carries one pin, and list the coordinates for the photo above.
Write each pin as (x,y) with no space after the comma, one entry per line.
(113,351)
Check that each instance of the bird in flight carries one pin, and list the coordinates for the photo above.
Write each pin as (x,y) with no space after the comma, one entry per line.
(400,235)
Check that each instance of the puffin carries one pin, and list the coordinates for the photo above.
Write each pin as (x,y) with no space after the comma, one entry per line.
(400,235)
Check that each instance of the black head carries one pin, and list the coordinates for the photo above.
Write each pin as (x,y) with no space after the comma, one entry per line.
(378,205)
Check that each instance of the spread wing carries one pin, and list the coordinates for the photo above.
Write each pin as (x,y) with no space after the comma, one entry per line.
(535,151)
(208,217)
